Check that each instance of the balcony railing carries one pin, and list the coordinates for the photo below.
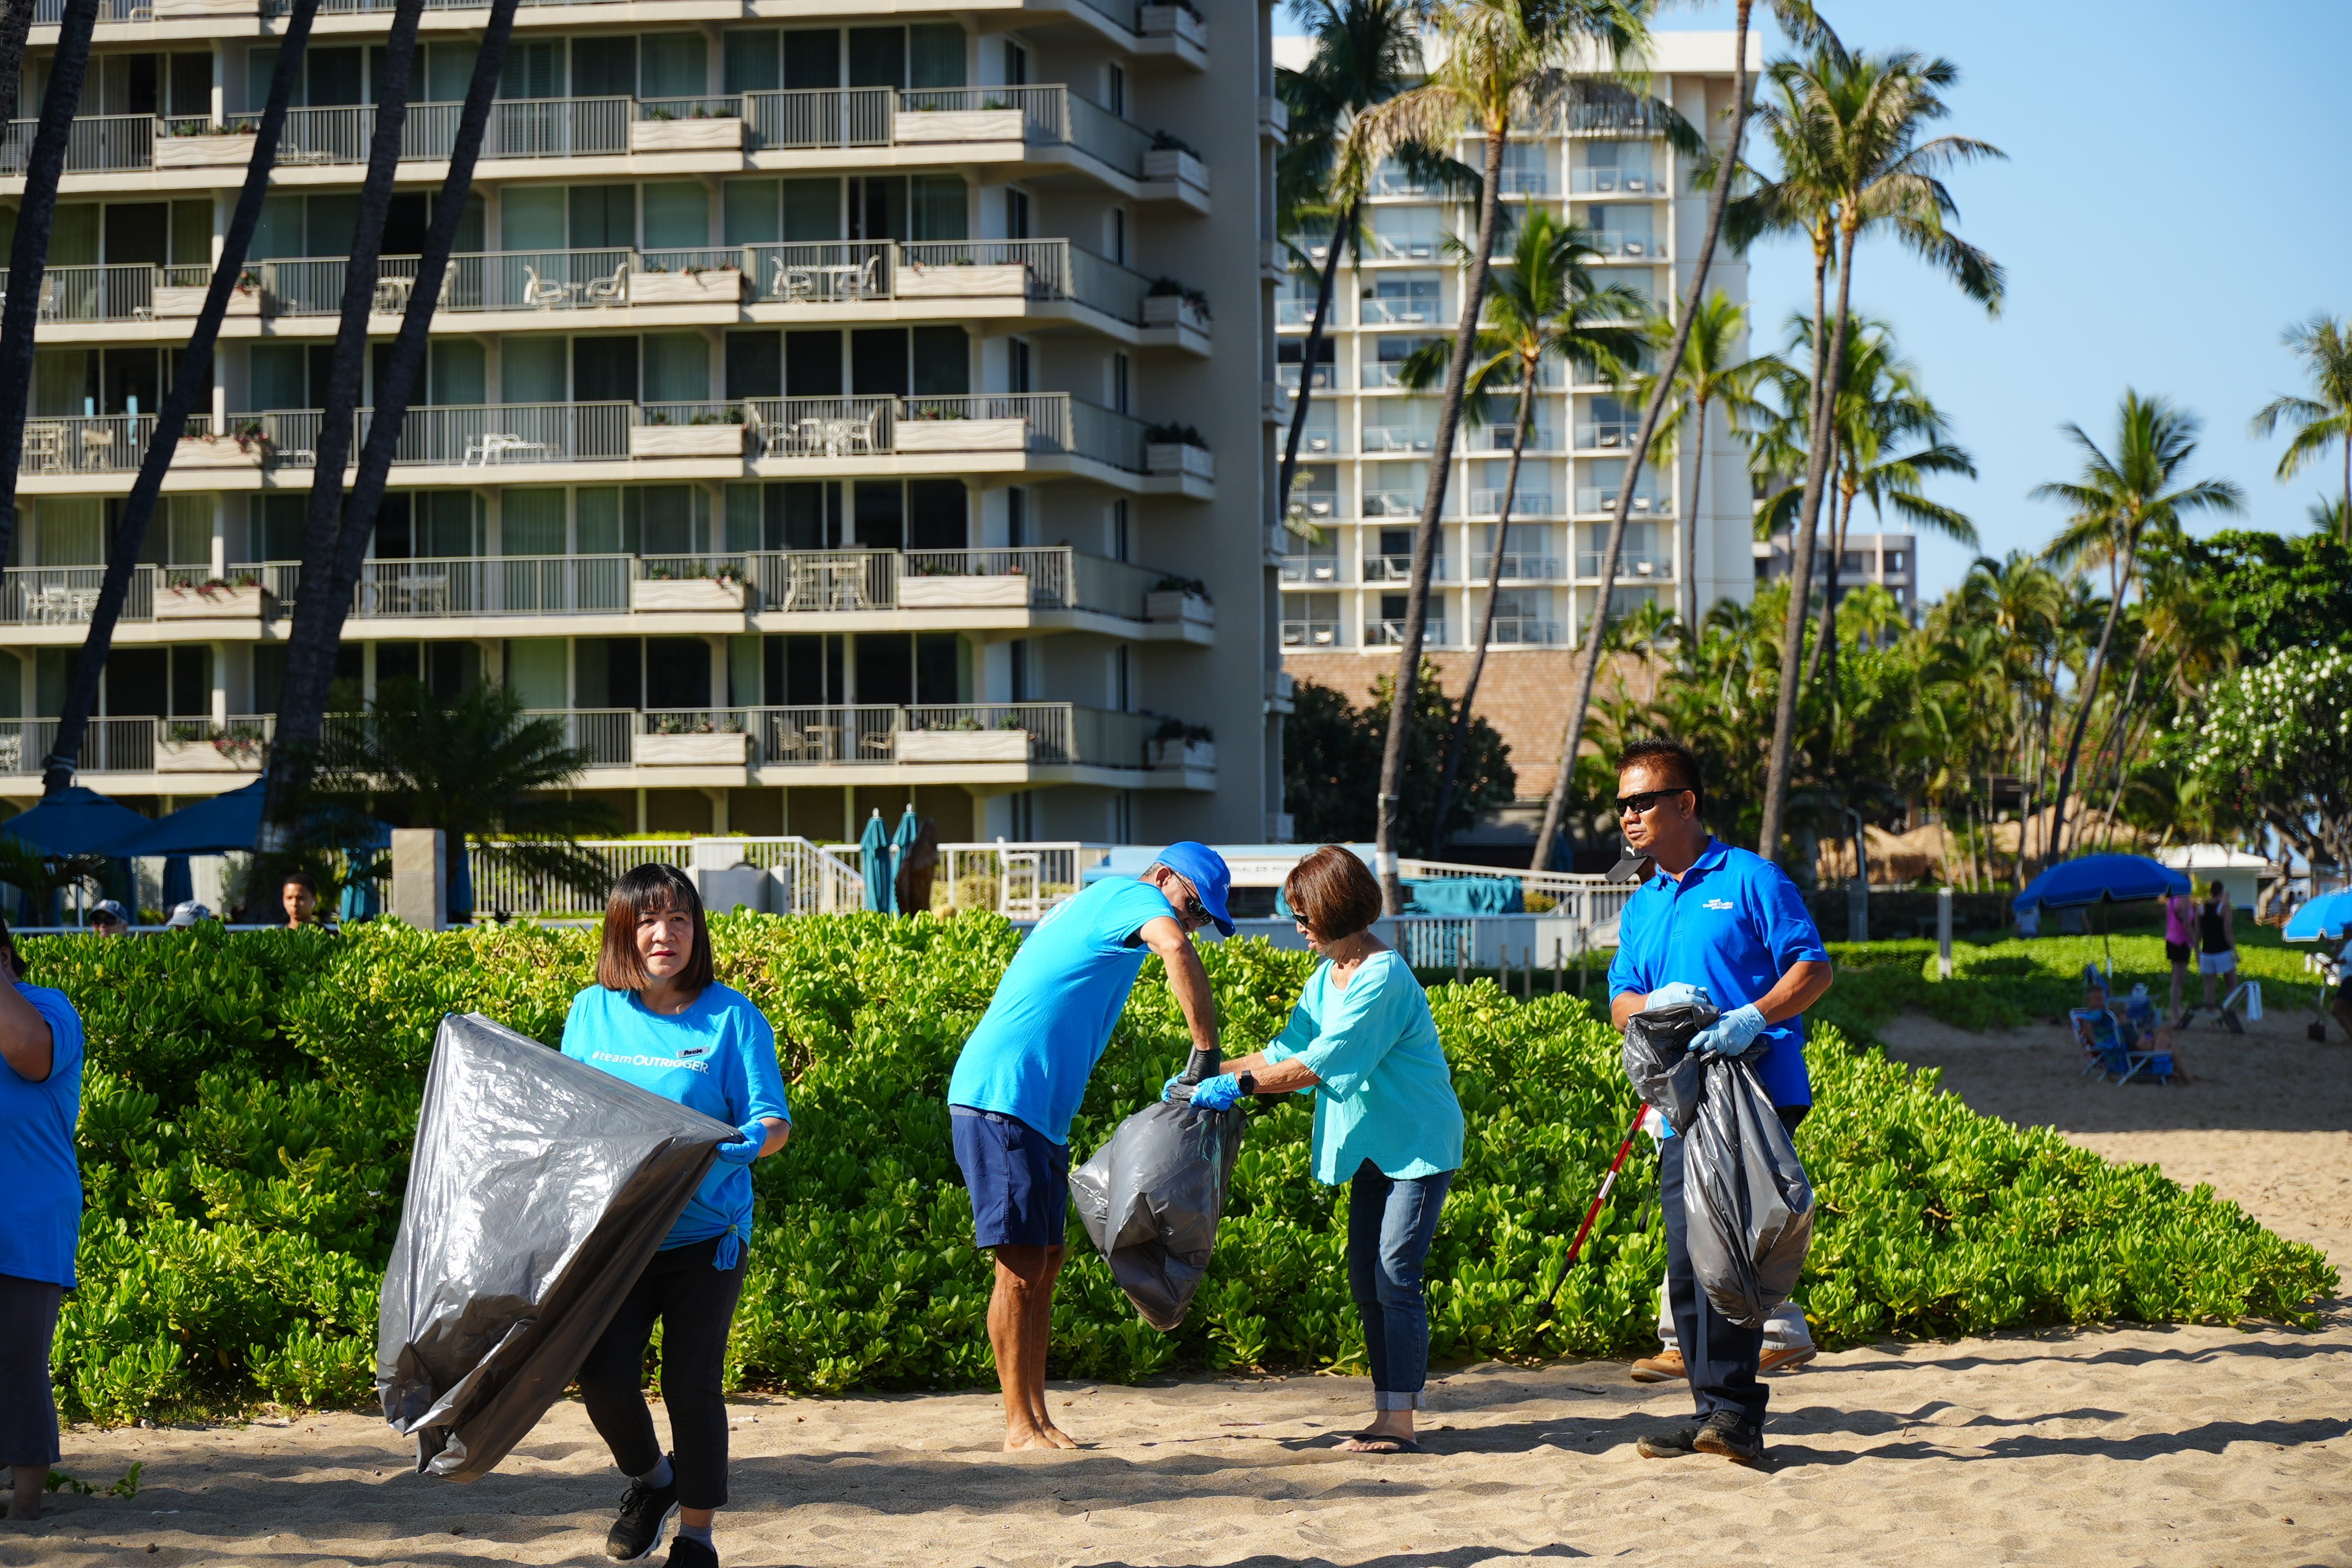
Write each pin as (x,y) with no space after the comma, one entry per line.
(1604,434)
(1399,568)
(1316,569)
(97,144)
(95,443)
(1301,313)
(1591,499)
(1631,246)
(1379,312)
(1630,567)
(1523,567)
(1525,503)
(873,734)
(95,293)
(1391,634)
(1310,634)
(1614,181)
(133,745)
(1399,438)
(1528,631)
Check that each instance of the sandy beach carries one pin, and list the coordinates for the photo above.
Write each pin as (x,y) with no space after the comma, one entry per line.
(2188,1447)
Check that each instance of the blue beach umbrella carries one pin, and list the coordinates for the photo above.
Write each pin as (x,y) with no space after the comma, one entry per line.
(900,843)
(2323,919)
(2101,879)
(78,821)
(873,850)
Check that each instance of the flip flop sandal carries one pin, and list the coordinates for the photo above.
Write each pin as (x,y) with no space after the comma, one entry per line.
(1390,1444)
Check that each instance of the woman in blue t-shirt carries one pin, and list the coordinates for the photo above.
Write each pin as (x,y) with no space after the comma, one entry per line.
(40,1101)
(658,1019)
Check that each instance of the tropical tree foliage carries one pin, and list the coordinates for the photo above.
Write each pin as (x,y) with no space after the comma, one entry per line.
(1330,747)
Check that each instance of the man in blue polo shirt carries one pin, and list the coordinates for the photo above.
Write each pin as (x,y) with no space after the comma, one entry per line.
(1730,925)
(1025,1070)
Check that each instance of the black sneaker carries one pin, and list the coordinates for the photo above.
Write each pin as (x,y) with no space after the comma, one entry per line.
(1671,1444)
(1727,1435)
(686,1552)
(643,1511)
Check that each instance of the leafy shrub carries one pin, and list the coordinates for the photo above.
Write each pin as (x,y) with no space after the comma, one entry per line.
(251,1100)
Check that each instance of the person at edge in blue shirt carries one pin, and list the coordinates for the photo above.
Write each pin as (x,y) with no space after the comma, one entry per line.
(658,1018)
(1726,927)
(40,1219)
(1024,1070)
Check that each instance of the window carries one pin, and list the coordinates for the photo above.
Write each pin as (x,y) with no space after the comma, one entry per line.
(604,370)
(1118,531)
(533,70)
(1016,64)
(1017,519)
(1016,356)
(1017,213)
(677,215)
(1118,235)
(1119,377)
(1115,90)
(672,65)
(532,523)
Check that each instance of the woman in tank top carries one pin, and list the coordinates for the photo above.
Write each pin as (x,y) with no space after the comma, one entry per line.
(2217,941)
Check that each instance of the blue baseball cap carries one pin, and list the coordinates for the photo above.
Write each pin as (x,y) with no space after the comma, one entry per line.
(1205,869)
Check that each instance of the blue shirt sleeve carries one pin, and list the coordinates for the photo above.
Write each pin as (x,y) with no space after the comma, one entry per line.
(1786,926)
(65,1043)
(1625,970)
(1128,911)
(755,1087)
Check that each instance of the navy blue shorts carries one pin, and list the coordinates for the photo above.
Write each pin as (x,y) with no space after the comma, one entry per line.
(1019,1178)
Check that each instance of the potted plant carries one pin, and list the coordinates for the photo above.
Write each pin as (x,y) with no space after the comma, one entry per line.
(964,740)
(687,285)
(702,130)
(1180,599)
(1176,745)
(706,586)
(1178,449)
(1171,304)
(1173,158)
(692,741)
(189,596)
(940,426)
(933,588)
(204,747)
(960,275)
(200,144)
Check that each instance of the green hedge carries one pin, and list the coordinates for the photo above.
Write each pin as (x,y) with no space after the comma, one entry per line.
(250,1101)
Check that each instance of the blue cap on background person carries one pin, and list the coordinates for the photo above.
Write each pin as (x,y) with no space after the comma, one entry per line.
(108,912)
(187,914)
(1205,869)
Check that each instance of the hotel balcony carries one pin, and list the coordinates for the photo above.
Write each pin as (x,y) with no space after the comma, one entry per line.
(1601,501)
(988,594)
(1517,567)
(1037,130)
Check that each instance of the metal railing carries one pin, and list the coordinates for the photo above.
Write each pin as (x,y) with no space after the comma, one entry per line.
(495,434)
(1048,577)
(1618,243)
(95,293)
(818,117)
(1614,181)
(1515,564)
(1377,312)
(95,443)
(135,745)
(67,596)
(1498,438)
(1591,498)
(97,144)
(1524,502)
(1604,434)
(1391,634)
(1399,437)
(436,586)
(1314,569)
(1632,568)
(825,273)
(1399,568)
(1525,631)
(1310,634)
(866,734)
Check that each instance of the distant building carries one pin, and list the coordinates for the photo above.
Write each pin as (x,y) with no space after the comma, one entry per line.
(1889,560)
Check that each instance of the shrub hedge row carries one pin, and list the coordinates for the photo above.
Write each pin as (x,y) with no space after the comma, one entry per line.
(250,1100)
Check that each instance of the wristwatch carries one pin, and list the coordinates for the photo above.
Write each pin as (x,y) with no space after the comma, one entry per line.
(1249,1083)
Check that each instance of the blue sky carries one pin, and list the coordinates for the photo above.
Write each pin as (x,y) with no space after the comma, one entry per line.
(2174,198)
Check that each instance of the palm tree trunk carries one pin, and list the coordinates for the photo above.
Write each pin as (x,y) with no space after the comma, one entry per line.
(192,381)
(2091,691)
(1314,333)
(2123,773)
(1461,735)
(1688,607)
(16,23)
(1825,640)
(1588,667)
(310,653)
(28,255)
(1780,762)
(2110,749)
(1425,540)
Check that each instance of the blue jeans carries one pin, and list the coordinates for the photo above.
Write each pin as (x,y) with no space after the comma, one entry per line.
(1390,1225)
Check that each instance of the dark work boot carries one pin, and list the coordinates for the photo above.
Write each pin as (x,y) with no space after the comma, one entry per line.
(1727,1435)
(1673,1442)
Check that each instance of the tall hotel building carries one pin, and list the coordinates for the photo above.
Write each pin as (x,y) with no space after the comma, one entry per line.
(832,405)
(1364,465)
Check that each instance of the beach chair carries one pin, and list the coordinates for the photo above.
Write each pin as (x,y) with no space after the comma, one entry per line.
(2105,1052)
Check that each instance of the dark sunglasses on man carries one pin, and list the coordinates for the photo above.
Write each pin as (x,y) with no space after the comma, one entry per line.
(1636,805)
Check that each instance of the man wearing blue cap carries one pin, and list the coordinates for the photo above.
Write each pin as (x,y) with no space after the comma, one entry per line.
(1025,1070)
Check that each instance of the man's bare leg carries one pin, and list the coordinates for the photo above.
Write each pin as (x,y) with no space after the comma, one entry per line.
(1024,1297)
(30,1480)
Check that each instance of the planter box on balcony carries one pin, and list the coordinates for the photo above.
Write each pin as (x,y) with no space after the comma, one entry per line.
(192,10)
(960,436)
(1005,280)
(1175,163)
(214,452)
(1174,311)
(686,440)
(714,135)
(204,757)
(963,592)
(711,286)
(173,301)
(1180,458)
(724,749)
(201,151)
(962,745)
(1173,604)
(1200,754)
(957,125)
(208,604)
(707,595)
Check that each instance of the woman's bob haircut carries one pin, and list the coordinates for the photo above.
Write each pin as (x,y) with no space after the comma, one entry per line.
(650,889)
(1332,893)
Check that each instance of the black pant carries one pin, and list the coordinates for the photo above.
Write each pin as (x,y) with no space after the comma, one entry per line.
(28,1328)
(696,1304)
(1720,1354)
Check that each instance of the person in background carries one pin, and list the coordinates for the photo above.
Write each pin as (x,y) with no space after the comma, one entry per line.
(41,1101)
(2180,944)
(185,915)
(298,893)
(1363,1042)
(108,918)
(1725,927)
(658,1018)
(1023,1071)
(2217,942)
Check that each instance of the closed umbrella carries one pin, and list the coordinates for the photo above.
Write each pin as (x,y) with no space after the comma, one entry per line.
(2324,919)
(901,844)
(873,850)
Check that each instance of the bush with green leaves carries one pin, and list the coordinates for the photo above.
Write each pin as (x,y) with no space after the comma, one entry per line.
(251,1100)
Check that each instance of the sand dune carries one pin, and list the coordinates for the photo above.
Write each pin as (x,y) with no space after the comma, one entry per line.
(2190,1447)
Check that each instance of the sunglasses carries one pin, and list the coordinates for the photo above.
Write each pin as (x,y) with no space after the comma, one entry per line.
(1635,804)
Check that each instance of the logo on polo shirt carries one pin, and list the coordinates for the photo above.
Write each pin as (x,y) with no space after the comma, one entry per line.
(1719,904)
(646,1061)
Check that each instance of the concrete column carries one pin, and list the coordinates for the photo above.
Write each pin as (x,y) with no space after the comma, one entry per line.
(220,509)
(420,878)
(220,682)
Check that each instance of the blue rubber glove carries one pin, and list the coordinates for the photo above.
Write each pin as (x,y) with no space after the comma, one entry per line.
(1676,994)
(1731,1034)
(1168,1089)
(1216,1093)
(747,1148)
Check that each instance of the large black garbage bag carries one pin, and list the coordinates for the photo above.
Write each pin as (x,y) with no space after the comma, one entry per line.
(1150,1201)
(539,1189)
(1748,1205)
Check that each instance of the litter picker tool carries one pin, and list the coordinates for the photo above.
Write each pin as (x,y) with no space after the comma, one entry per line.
(1607,1182)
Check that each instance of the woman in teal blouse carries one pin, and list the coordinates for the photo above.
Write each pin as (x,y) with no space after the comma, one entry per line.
(1361,1040)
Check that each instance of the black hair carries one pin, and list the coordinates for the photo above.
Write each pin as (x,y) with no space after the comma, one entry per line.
(1672,758)
(651,889)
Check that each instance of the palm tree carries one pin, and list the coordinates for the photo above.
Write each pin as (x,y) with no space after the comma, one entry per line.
(2324,345)
(1543,307)
(478,768)
(1504,62)
(1845,128)
(1365,53)
(16,25)
(1798,20)
(1707,376)
(317,629)
(2333,516)
(2118,502)
(28,254)
(191,381)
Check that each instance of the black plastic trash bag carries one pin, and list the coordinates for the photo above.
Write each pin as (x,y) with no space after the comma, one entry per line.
(539,1189)
(1748,1205)
(1150,1201)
